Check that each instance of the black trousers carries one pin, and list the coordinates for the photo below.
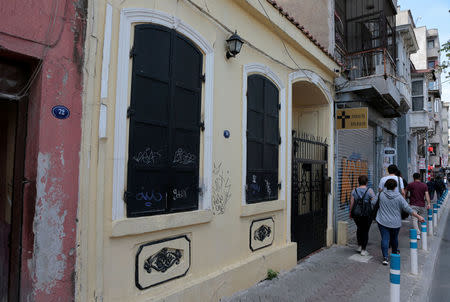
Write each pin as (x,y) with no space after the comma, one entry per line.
(362,232)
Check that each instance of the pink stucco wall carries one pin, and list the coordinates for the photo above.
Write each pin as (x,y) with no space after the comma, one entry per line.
(53,31)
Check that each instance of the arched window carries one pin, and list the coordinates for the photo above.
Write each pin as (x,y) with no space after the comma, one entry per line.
(263,139)
(164,123)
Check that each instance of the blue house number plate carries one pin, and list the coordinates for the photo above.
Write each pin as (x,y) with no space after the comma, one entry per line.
(60,112)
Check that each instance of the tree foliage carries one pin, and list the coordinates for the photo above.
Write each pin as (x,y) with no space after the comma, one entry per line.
(446,61)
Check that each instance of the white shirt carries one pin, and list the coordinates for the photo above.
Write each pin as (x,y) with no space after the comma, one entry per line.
(394,177)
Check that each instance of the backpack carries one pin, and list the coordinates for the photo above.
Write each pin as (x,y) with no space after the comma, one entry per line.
(361,208)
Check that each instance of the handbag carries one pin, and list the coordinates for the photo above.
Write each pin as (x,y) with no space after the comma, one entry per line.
(361,208)
(376,207)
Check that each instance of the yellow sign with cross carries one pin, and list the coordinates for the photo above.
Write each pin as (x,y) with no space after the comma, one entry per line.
(352,118)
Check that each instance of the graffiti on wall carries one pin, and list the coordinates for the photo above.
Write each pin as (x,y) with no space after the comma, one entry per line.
(221,189)
(351,169)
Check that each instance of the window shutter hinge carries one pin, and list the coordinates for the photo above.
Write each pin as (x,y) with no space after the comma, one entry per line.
(126,194)
(130,111)
(202,126)
(132,52)
(279,185)
(202,78)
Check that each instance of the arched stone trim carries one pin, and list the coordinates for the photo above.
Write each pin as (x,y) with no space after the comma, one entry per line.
(256,68)
(129,16)
(313,78)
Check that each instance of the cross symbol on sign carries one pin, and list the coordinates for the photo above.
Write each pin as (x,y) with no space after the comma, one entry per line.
(343,117)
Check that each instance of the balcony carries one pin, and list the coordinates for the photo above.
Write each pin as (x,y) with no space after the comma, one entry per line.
(434,88)
(371,76)
(419,120)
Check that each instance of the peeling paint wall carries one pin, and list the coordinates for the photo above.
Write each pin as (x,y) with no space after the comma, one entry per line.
(53,145)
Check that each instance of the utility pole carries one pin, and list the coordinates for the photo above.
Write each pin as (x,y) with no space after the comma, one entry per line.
(426,155)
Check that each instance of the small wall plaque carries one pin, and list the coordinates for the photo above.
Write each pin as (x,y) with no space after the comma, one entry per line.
(261,233)
(60,112)
(162,260)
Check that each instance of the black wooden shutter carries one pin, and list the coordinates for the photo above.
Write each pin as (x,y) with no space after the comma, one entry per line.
(262,139)
(164,137)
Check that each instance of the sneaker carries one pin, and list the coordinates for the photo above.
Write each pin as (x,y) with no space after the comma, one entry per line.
(385,261)
(364,253)
(359,249)
(396,252)
(418,236)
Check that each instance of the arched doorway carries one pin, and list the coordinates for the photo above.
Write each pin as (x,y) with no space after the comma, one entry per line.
(309,170)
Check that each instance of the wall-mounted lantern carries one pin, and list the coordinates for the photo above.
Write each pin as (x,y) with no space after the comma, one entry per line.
(234,45)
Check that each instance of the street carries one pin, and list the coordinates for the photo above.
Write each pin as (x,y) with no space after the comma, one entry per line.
(440,290)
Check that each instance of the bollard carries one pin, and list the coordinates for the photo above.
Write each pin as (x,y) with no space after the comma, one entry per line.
(395,277)
(439,211)
(435,212)
(430,222)
(423,236)
(413,248)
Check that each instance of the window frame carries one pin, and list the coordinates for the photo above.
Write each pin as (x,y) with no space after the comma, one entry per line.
(128,18)
(417,95)
(265,71)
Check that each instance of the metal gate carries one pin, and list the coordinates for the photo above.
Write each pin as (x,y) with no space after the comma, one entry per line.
(309,197)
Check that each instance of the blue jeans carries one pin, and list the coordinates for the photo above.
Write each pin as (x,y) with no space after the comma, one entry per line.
(388,235)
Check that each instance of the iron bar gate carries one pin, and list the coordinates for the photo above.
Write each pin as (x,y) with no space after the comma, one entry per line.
(309,196)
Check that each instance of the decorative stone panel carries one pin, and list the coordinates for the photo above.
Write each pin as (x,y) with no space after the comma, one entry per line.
(162,260)
(261,233)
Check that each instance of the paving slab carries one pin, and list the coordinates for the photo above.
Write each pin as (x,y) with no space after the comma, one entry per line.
(338,273)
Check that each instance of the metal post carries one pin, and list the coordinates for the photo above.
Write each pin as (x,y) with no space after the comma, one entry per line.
(423,236)
(435,212)
(430,222)
(395,277)
(413,248)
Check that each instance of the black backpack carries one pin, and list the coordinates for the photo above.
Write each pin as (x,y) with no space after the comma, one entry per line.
(361,208)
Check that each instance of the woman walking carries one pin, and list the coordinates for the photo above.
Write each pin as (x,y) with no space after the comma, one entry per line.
(389,219)
(364,196)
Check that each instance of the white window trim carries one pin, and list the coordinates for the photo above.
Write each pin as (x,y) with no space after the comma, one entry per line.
(311,77)
(256,68)
(128,16)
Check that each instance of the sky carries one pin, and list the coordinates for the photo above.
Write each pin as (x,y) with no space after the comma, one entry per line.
(432,14)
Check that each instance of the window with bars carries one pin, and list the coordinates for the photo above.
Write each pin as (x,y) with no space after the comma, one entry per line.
(164,123)
(263,139)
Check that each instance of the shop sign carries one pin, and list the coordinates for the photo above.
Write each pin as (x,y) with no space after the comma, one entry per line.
(422,163)
(352,118)
(388,151)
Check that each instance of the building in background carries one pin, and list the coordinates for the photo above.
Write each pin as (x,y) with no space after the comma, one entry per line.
(445,137)
(414,121)
(41,76)
(426,93)
(366,43)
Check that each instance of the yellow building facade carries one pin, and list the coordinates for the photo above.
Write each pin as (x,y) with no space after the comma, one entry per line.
(187,156)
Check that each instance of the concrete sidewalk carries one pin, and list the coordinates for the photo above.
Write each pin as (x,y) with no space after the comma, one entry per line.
(338,273)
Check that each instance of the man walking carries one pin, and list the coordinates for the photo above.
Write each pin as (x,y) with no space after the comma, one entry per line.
(392,170)
(418,193)
(439,186)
